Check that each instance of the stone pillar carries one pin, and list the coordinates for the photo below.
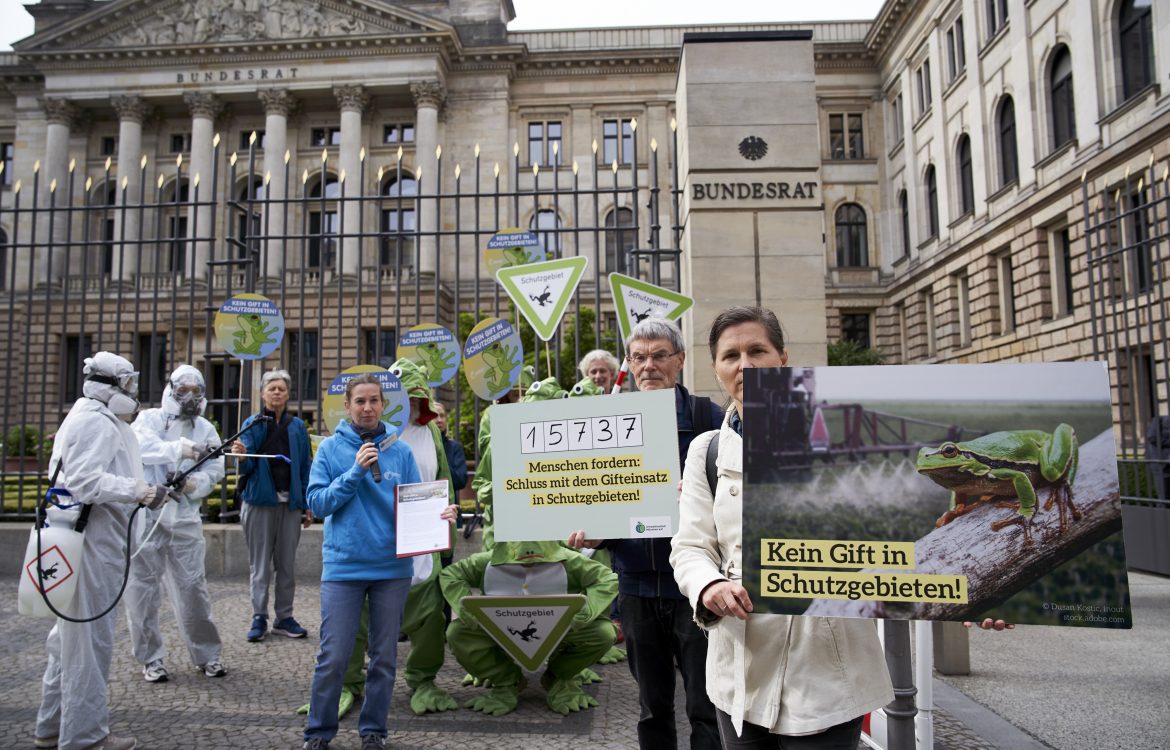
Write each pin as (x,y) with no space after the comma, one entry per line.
(132,110)
(61,115)
(752,215)
(428,99)
(353,101)
(278,103)
(204,109)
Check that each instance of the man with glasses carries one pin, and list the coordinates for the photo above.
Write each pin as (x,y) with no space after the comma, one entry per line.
(656,617)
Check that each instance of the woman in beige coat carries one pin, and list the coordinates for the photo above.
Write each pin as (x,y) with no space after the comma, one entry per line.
(777,681)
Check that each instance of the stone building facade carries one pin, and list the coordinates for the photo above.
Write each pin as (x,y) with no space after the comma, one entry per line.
(953,140)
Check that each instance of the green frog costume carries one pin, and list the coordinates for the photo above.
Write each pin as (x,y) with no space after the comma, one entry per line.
(530,568)
(482,483)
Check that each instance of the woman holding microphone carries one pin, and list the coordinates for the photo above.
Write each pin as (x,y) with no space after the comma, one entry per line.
(352,486)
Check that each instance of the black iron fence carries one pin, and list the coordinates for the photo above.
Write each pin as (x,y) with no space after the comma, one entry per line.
(140,264)
(1127,227)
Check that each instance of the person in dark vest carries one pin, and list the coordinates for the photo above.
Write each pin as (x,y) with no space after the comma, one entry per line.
(655,616)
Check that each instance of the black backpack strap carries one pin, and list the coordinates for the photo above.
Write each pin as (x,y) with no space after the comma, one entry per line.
(712,469)
(701,415)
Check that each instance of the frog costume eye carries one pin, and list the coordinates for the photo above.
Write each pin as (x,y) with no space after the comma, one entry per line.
(578,390)
(396,372)
(949,450)
(534,388)
(564,394)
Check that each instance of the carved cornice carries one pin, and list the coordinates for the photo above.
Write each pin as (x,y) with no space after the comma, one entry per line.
(352,98)
(277,101)
(133,108)
(203,104)
(61,112)
(428,94)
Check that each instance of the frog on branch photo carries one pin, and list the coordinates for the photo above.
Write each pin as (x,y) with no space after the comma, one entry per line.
(1006,467)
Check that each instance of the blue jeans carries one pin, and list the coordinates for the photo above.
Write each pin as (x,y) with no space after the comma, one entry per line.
(341,609)
(659,635)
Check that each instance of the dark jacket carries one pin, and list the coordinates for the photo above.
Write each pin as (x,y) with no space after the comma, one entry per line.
(456,461)
(643,565)
(258,487)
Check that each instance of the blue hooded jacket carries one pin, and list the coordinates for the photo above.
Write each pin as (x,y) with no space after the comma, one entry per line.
(258,489)
(360,542)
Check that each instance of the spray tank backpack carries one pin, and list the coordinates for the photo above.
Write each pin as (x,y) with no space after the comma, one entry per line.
(52,560)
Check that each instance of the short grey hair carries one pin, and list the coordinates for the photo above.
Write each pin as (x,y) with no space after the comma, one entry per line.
(276,375)
(656,328)
(610,361)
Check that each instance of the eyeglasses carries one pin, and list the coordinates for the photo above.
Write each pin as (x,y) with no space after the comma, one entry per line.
(656,357)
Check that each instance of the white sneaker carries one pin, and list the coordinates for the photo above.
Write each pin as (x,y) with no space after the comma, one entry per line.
(155,671)
(213,668)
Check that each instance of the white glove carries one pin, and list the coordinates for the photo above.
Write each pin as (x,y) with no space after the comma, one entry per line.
(190,485)
(190,449)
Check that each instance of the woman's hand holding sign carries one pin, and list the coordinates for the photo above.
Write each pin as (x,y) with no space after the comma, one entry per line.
(577,540)
(727,599)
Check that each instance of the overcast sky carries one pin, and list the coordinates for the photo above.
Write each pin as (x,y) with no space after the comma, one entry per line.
(16,23)
(1055,381)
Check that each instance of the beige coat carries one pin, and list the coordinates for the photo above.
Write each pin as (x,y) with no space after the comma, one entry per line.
(793,675)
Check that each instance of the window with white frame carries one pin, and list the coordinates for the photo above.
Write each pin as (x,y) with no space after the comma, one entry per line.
(846,140)
(896,122)
(922,87)
(997,16)
(544,143)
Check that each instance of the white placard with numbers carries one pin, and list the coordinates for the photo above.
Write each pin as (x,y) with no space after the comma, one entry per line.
(605,464)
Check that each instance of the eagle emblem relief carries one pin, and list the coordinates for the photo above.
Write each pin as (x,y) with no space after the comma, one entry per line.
(753,148)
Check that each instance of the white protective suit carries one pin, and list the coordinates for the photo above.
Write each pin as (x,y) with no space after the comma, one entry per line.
(170,540)
(102,467)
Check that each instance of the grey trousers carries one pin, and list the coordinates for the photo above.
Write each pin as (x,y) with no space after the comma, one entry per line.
(272,533)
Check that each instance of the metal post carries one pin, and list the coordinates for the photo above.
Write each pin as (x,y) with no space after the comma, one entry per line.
(901,711)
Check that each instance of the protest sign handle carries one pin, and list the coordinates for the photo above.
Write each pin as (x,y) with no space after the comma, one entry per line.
(621,378)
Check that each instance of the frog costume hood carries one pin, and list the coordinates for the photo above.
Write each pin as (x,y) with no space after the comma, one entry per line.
(415,379)
(585,387)
(529,553)
(544,390)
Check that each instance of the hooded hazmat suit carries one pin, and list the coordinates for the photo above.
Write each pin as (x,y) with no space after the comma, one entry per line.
(101,467)
(170,541)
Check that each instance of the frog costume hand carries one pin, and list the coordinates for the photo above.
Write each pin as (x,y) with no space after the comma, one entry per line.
(482,482)
(537,568)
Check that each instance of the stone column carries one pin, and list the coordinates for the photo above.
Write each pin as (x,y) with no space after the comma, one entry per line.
(750,171)
(204,109)
(353,101)
(132,110)
(428,99)
(61,115)
(278,103)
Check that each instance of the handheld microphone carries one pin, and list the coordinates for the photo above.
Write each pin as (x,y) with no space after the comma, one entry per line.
(368,437)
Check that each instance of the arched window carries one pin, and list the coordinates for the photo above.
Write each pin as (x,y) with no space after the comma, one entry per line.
(620,239)
(852,248)
(323,224)
(931,203)
(545,224)
(904,208)
(966,177)
(399,216)
(1060,92)
(1135,46)
(1009,163)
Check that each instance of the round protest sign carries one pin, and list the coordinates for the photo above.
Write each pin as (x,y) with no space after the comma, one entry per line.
(512,247)
(397,408)
(492,358)
(434,347)
(249,326)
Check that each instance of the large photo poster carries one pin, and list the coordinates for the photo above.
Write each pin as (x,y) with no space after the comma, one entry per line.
(934,492)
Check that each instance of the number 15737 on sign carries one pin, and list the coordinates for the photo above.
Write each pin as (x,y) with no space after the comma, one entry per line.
(583,434)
